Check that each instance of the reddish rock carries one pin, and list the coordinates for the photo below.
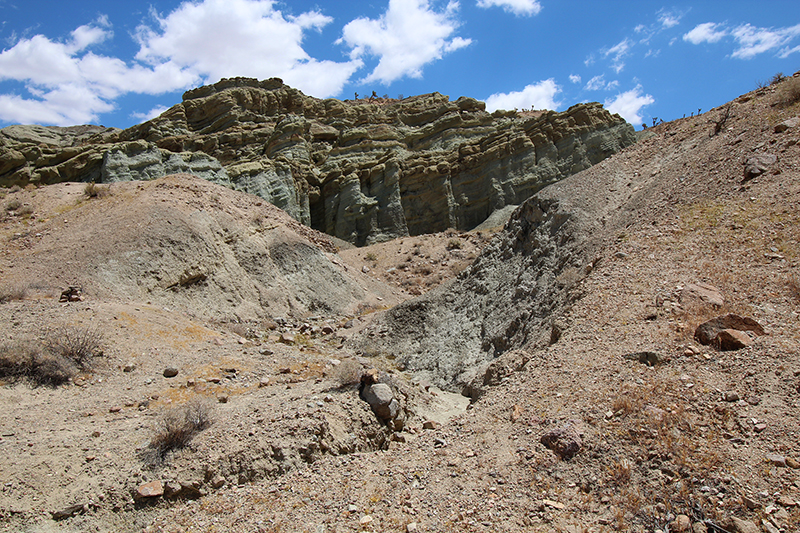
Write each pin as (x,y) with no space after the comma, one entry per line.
(731,339)
(565,441)
(154,489)
(702,292)
(707,332)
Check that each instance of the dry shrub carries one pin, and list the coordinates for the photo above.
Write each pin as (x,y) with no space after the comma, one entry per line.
(78,345)
(13,292)
(793,283)
(176,428)
(13,205)
(347,373)
(454,244)
(371,257)
(789,92)
(93,190)
(20,361)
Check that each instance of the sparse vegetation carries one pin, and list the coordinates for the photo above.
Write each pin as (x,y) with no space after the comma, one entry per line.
(454,244)
(13,292)
(27,361)
(371,257)
(92,190)
(176,428)
(75,344)
(13,205)
(789,92)
(347,373)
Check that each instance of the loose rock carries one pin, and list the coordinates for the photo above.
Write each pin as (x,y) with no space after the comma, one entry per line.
(153,489)
(170,372)
(565,441)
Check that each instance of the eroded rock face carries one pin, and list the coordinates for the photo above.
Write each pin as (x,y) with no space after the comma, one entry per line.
(364,171)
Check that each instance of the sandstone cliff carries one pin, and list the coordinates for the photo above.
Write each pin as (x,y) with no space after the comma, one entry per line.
(364,171)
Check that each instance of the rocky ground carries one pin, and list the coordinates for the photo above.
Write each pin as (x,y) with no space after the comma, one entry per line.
(623,421)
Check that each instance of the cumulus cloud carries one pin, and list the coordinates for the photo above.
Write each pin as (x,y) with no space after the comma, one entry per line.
(536,96)
(574,78)
(66,82)
(517,7)
(707,32)
(217,39)
(629,104)
(408,36)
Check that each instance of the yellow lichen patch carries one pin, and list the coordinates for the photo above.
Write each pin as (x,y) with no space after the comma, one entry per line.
(167,331)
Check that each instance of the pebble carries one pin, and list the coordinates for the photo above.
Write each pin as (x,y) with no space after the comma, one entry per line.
(731,396)
(412,528)
(170,372)
(429,424)
(365,520)
(222,398)
(263,383)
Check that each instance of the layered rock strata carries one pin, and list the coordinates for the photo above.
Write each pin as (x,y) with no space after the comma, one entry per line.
(364,170)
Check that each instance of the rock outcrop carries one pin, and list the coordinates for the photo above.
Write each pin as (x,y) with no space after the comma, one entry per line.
(364,171)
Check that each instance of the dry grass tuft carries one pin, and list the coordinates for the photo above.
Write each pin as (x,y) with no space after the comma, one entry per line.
(793,283)
(347,373)
(78,345)
(789,92)
(93,190)
(176,428)
(13,292)
(20,361)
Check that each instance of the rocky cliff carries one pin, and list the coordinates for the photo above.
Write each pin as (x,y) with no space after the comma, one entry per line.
(364,170)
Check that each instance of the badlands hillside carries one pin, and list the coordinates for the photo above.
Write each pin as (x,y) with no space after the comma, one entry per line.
(181,356)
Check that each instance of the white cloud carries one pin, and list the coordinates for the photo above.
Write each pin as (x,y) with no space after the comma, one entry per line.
(68,83)
(153,113)
(753,41)
(705,33)
(408,36)
(537,96)
(574,78)
(617,53)
(669,19)
(518,7)
(217,39)
(598,82)
(629,104)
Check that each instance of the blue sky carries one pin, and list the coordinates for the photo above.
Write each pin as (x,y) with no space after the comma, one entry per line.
(119,63)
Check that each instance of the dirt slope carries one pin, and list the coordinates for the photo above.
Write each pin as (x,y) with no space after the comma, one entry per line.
(704,436)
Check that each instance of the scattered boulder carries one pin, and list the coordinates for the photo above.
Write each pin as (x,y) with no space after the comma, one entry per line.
(708,332)
(682,523)
(646,358)
(499,369)
(731,339)
(757,165)
(702,292)
(71,294)
(381,399)
(565,441)
(153,489)
(737,525)
(787,124)
(68,512)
